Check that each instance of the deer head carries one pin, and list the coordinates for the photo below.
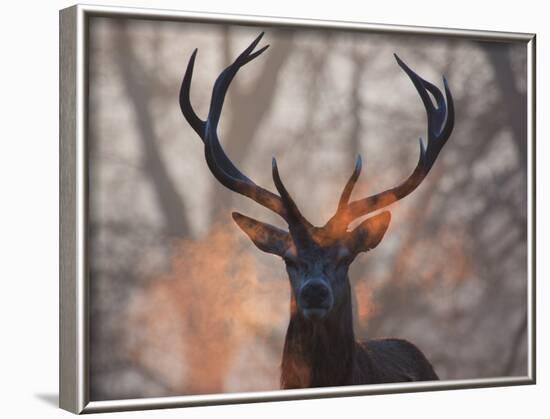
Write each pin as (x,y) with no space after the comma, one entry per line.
(317,258)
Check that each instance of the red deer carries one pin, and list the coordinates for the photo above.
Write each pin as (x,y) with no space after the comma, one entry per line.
(320,348)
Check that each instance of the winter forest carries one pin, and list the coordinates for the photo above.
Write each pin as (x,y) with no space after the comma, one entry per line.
(181,302)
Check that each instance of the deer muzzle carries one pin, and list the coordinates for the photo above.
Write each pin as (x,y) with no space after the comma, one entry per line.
(315,299)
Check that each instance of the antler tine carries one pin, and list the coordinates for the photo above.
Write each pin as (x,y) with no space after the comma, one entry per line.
(440,120)
(224,80)
(201,127)
(293,212)
(185,99)
(198,124)
(218,162)
(348,189)
(338,222)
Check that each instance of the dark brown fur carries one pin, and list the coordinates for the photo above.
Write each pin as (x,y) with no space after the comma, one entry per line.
(321,354)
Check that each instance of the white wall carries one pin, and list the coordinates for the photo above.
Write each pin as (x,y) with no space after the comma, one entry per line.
(28,221)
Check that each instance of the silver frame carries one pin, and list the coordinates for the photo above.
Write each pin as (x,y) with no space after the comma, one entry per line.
(73,371)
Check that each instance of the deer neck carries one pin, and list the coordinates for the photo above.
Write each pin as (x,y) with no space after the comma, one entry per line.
(318,354)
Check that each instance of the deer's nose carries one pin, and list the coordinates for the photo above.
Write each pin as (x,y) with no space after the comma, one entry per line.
(315,294)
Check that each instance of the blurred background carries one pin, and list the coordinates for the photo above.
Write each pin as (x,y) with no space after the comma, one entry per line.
(182,303)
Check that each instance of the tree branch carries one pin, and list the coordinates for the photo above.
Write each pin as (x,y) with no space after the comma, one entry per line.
(170,202)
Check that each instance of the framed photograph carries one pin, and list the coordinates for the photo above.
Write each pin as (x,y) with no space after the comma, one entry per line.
(247,212)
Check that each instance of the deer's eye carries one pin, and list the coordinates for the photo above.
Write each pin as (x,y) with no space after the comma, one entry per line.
(343,257)
(293,263)
(344,260)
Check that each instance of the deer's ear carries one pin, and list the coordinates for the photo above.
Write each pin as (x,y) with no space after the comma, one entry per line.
(266,237)
(369,233)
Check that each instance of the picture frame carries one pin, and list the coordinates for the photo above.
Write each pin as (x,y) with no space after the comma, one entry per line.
(75,208)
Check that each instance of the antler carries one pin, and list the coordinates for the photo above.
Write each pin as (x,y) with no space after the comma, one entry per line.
(440,126)
(219,163)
